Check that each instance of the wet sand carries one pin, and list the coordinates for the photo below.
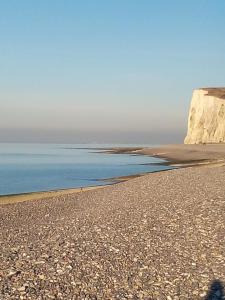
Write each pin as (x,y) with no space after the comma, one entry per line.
(180,154)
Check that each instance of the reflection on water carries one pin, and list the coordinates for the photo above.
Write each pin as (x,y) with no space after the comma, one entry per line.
(42,167)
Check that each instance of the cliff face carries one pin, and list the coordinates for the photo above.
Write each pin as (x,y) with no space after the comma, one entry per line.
(206,121)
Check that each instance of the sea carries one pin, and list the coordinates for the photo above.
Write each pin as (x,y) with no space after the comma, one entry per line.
(26,168)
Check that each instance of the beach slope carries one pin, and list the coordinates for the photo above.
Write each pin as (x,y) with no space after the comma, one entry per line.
(159,236)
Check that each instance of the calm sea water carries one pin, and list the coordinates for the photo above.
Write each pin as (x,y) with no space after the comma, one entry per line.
(42,167)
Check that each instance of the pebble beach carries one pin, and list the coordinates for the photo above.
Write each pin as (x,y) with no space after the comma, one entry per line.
(158,236)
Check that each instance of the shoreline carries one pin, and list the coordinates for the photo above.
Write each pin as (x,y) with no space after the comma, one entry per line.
(15,198)
(23,197)
(176,155)
(179,155)
(37,195)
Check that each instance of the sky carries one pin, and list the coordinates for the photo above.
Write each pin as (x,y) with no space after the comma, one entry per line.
(106,71)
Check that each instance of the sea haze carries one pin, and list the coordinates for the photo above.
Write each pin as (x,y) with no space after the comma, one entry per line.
(28,168)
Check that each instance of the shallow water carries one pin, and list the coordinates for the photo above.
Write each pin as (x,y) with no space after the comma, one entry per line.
(42,167)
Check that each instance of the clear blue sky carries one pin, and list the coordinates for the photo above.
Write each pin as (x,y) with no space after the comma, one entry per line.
(91,69)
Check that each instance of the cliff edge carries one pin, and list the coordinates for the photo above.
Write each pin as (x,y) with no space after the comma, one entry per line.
(206,121)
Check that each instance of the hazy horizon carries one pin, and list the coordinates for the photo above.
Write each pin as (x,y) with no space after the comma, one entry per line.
(89,137)
(100,71)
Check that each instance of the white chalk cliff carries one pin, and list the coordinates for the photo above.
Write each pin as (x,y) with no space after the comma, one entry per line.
(206,121)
